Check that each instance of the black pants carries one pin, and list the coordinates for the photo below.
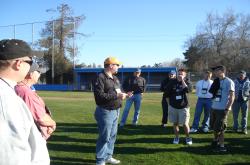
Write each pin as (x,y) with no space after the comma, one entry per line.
(164,105)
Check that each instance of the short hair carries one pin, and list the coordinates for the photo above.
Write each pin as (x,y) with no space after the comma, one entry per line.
(208,72)
(106,65)
(4,64)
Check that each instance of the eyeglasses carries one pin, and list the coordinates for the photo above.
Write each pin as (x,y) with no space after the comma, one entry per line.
(38,71)
(116,64)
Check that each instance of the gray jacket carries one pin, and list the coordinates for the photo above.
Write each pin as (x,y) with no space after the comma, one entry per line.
(245,89)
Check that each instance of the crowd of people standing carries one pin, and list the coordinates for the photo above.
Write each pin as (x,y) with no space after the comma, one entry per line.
(26,125)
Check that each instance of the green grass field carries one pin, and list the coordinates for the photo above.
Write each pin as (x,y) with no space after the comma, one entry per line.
(73,143)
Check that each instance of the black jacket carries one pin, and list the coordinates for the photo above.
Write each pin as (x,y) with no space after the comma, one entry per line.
(174,89)
(135,84)
(215,87)
(163,86)
(105,92)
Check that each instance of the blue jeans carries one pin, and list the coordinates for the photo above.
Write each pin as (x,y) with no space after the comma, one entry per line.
(237,106)
(107,122)
(206,104)
(136,99)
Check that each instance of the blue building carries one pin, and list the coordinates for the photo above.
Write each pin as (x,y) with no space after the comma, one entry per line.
(153,76)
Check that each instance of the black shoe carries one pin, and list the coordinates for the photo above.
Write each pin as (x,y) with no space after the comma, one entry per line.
(214,144)
(222,149)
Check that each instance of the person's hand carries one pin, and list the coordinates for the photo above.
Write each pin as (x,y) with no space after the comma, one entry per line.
(50,130)
(180,77)
(129,94)
(122,96)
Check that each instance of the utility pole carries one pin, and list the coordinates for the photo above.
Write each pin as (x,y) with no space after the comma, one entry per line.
(74,34)
(14,28)
(53,53)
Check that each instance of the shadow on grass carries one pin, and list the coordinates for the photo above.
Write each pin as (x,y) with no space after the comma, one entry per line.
(144,130)
(66,140)
(71,161)
(71,138)
(76,127)
(240,146)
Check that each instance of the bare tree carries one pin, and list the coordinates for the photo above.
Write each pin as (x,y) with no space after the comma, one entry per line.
(64,31)
(220,40)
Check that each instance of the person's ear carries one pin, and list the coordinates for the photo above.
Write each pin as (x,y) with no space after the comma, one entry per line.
(16,64)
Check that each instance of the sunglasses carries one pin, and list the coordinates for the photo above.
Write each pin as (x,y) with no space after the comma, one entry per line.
(30,62)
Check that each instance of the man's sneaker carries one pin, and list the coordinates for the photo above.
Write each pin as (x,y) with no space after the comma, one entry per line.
(205,130)
(214,144)
(222,149)
(176,140)
(192,130)
(244,131)
(113,161)
(134,124)
(189,141)
(103,163)
(163,125)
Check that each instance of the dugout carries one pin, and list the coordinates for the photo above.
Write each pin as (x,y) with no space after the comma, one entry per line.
(153,76)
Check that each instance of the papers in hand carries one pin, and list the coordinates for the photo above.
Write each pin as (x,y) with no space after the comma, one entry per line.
(118,90)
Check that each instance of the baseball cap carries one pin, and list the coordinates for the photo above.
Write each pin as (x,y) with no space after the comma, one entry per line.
(112,60)
(243,72)
(219,67)
(14,48)
(138,70)
(172,72)
(35,67)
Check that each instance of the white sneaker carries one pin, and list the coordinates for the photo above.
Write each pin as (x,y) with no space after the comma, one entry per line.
(113,161)
(192,130)
(205,130)
(189,141)
(176,140)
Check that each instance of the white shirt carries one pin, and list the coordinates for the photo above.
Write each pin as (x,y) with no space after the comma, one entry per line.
(202,88)
(20,141)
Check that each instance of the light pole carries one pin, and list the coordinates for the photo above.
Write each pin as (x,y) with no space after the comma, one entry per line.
(53,54)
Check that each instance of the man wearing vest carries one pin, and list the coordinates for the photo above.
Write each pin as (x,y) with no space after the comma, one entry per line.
(242,89)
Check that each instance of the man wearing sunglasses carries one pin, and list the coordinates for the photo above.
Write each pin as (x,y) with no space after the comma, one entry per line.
(20,141)
(46,125)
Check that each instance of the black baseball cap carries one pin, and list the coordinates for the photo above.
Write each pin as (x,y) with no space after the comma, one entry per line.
(219,67)
(14,48)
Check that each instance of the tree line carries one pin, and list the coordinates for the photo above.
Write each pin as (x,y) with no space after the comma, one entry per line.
(221,39)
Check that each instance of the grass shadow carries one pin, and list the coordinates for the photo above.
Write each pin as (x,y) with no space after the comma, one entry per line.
(71,161)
